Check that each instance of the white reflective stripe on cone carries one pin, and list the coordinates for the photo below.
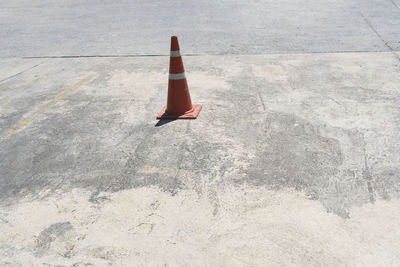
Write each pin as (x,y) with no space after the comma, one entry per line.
(178,76)
(175,53)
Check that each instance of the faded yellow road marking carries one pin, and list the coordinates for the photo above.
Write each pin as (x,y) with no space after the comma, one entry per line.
(145,169)
(52,102)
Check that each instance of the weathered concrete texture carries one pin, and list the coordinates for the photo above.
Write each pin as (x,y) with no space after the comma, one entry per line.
(49,28)
(325,124)
(148,227)
(307,143)
(293,161)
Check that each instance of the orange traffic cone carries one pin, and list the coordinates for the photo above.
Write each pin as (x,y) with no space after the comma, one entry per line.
(179,104)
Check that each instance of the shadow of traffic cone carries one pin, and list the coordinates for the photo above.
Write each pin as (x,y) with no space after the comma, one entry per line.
(179,104)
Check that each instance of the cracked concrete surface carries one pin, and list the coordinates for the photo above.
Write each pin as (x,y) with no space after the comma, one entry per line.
(293,161)
(305,129)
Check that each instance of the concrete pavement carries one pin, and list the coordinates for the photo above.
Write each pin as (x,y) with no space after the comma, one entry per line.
(293,160)
(81,28)
(323,125)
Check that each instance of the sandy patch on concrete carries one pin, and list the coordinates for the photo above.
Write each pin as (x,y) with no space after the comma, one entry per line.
(147,227)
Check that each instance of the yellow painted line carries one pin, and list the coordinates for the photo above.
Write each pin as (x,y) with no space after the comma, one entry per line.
(146,169)
(52,102)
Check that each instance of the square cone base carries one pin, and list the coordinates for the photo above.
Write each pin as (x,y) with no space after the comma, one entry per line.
(189,115)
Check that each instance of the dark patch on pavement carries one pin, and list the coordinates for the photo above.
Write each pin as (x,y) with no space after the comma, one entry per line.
(49,235)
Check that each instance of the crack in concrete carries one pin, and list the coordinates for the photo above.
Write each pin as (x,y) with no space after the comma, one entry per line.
(366,173)
(261,100)
(105,56)
(223,53)
(379,36)
(375,31)
(12,76)
(394,4)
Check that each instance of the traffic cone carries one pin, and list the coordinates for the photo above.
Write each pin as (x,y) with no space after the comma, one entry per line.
(179,105)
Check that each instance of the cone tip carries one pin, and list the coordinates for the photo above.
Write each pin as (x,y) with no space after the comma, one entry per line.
(174,43)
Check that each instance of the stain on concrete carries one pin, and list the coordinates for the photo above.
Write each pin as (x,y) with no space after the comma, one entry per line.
(292,153)
(49,235)
(313,135)
(104,253)
(81,264)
